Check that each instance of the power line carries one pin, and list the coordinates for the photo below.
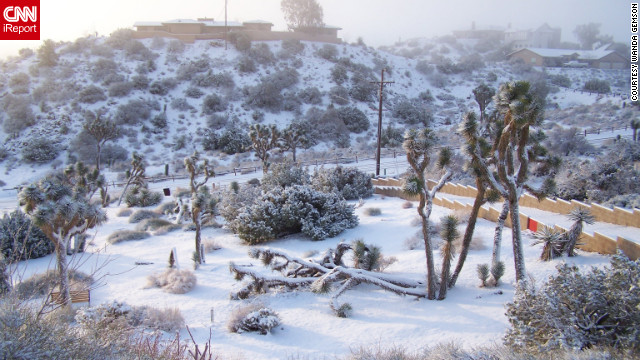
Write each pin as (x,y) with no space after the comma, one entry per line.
(382,84)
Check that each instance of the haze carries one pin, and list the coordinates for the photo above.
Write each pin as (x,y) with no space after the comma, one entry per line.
(378,22)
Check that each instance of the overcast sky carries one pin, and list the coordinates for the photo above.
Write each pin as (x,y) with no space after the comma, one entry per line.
(378,22)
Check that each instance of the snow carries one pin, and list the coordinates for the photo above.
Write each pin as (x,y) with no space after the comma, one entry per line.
(472,315)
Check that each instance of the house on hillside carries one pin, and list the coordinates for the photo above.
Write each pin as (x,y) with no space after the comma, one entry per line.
(600,58)
(189,30)
(480,33)
(543,37)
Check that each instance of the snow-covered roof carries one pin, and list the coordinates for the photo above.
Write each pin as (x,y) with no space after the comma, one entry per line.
(221,23)
(258,22)
(182,21)
(580,54)
(147,23)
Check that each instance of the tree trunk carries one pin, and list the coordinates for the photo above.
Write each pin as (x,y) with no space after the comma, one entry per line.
(63,272)
(196,221)
(572,238)
(98,156)
(468,234)
(125,190)
(431,280)
(516,236)
(446,267)
(293,152)
(497,236)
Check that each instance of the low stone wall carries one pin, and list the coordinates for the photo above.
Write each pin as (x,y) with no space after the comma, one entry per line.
(592,243)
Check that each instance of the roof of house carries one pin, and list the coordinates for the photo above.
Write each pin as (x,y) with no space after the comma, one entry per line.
(257,22)
(596,54)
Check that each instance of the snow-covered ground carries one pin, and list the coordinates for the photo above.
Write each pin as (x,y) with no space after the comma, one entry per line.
(470,314)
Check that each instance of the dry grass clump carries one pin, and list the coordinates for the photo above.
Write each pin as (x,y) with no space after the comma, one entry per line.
(372,211)
(174,281)
(142,214)
(168,319)
(124,213)
(152,224)
(477,243)
(407,205)
(462,215)
(126,235)
(167,229)
(210,245)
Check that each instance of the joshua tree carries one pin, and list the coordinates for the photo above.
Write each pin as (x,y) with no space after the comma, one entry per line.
(635,125)
(264,139)
(102,130)
(552,243)
(135,175)
(449,235)
(419,145)
(579,216)
(291,139)
(199,200)
(59,205)
(483,95)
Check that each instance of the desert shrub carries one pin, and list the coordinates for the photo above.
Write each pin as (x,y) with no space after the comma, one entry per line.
(181,104)
(411,112)
(236,198)
(284,174)
(142,197)
(42,284)
(597,86)
(438,80)
(560,80)
(407,205)
(424,67)
(261,53)
(126,235)
(310,95)
(19,83)
(103,316)
(246,65)
(174,281)
(253,318)
(577,310)
(349,183)
(136,50)
(140,82)
(124,212)
(120,89)
(135,111)
(240,40)
(159,122)
(193,92)
(295,209)
(20,239)
(291,47)
(628,201)
(175,47)
(40,150)
(339,74)
(91,94)
(168,319)
(162,87)
(327,52)
(564,142)
(210,246)
(146,67)
(265,95)
(414,242)
(339,95)
(354,119)
(233,140)
(103,68)
(366,256)
(325,125)
(217,121)
(187,71)
(142,214)
(19,115)
(362,89)
(372,211)
(152,224)
(213,103)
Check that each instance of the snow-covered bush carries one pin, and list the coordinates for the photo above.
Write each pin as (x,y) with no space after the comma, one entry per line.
(181,104)
(564,142)
(327,52)
(295,209)
(354,119)
(140,82)
(126,235)
(120,89)
(366,257)
(578,310)
(213,103)
(193,92)
(162,87)
(168,319)
(103,316)
(372,211)
(246,65)
(284,174)
(103,68)
(20,240)
(349,183)
(235,199)
(42,284)
(339,95)
(175,46)
(411,112)
(310,95)
(19,115)
(142,214)
(362,89)
(233,140)
(253,318)
(152,224)
(261,53)
(40,150)
(290,48)
(174,281)
(188,70)
(142,197)
(597,86)
(19,83)
(135,111)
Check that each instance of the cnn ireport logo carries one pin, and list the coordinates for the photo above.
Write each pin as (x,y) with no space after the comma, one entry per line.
(20,20)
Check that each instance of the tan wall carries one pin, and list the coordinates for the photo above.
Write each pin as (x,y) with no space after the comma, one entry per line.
(253,35)
(592,243)
(616,215)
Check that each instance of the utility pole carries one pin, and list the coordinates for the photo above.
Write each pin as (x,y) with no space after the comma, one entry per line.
(382,84)
(226,30)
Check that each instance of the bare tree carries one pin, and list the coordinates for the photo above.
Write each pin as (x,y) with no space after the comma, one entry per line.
(419,145)
(199,200)
(587,34)
(59,205)
(302,13)
(263,140)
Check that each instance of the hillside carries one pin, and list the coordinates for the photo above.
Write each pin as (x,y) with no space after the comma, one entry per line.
(170,98)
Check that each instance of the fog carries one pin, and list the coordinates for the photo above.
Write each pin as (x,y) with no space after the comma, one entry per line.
(378,22)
